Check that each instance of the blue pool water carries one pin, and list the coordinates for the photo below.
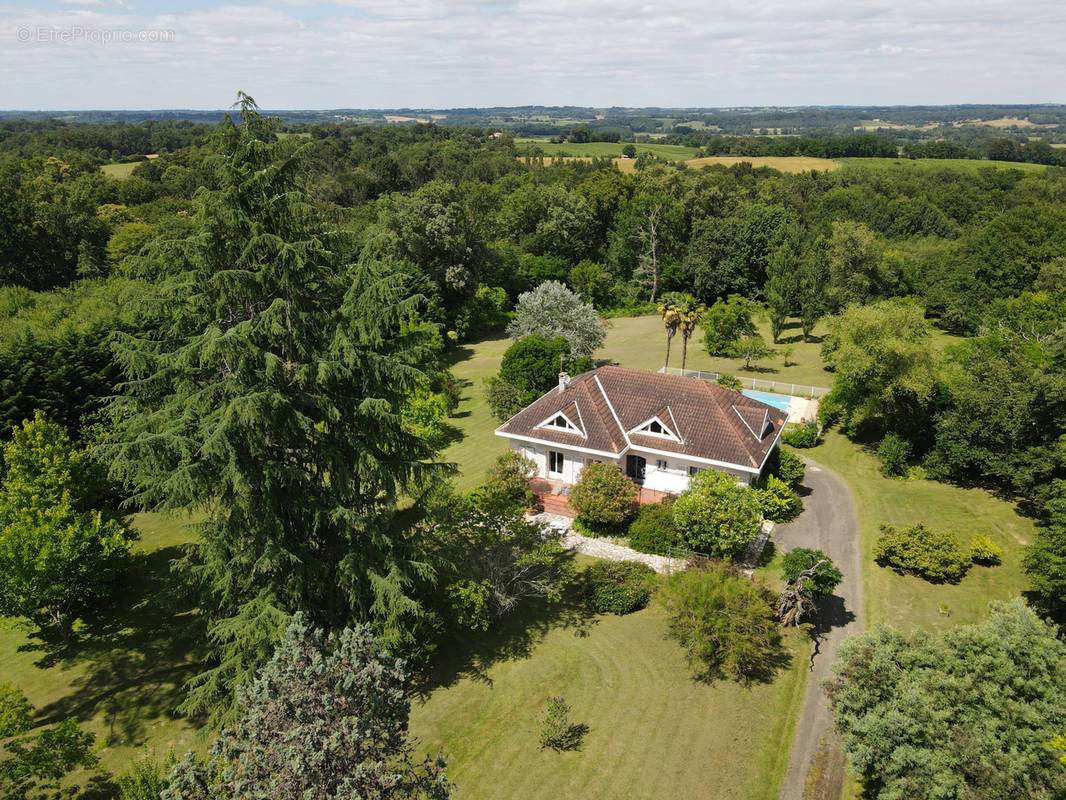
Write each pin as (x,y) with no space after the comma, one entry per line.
(776,400)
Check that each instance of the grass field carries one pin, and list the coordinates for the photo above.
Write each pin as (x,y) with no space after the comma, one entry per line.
(611,149)
(908,602)
(780,163)
(123,676)
(962,164)
(654,732)
(120,171)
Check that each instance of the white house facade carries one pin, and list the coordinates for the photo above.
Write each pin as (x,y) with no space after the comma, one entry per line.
(659,429)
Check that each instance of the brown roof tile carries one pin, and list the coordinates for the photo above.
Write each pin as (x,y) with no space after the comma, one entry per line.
(711,421)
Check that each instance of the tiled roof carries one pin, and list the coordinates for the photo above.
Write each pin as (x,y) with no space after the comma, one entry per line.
(712,422)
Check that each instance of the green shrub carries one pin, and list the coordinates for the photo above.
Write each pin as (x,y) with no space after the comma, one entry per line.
(508,479)
(802,436)
(618,587)
(653,531)
(984,551)
(716,516)
(603,496)
(894,453)
(729,381)
(787,466)
(826,578)
(556,731)
(724,622)
(778,501)
(830,410)
(917,550)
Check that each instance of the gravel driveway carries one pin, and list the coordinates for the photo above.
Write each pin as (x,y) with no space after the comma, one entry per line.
(828,523)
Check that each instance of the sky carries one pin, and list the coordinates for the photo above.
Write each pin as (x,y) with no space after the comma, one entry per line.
(319,54)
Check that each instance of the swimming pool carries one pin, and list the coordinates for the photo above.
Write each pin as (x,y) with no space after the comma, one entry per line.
(780,401)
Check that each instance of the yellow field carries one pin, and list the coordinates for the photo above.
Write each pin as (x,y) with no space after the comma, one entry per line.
(781,163)
(1010,122)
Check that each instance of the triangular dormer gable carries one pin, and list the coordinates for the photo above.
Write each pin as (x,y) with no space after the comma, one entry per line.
(755,420)
(654,426)
(560,421)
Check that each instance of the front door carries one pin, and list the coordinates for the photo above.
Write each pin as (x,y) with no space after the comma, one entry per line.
(635,467)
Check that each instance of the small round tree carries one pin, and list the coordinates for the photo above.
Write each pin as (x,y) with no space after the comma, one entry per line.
(603,497)
(825,578)
(716,516)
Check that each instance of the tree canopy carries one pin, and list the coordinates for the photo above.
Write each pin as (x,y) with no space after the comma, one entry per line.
(967,713)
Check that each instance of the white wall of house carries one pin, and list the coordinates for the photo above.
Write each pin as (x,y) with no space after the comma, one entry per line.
(663,473)
(572,462)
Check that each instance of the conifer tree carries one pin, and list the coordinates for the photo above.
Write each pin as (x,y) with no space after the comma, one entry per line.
(326,719)
(270,403)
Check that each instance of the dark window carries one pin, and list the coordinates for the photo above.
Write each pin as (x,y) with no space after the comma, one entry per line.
(660,463)
(655,427)
(694,471)
(555,461)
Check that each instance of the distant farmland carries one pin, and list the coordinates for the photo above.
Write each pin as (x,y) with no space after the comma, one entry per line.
(780,163)
(611,149)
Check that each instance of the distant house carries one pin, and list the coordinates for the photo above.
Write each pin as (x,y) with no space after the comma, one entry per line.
(659,429)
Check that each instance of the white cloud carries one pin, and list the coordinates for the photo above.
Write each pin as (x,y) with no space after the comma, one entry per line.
(449,53)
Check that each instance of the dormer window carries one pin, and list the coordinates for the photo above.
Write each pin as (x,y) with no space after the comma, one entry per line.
(656,427)
(562,423)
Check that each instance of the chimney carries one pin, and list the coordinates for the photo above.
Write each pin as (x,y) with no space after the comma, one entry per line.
(564,382)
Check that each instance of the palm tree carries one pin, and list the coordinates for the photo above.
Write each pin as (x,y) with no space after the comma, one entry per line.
(690,313)
(671,321)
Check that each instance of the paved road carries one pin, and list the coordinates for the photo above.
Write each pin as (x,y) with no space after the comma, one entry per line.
(828,523)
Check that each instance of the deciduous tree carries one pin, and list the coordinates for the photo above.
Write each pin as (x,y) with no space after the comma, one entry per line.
(966,713)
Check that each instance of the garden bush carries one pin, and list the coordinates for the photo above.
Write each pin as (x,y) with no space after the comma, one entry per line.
(618,587)
(787,466)
(894,453)
(778,501)
(729,381)
(724,622)
(826,578)
(917,550)
(716,516)
(508,479)
(984,551)
(802,436)
(830,411)
(603,498)
(653,531)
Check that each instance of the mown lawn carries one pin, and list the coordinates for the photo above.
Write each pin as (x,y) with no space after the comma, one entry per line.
(654,732)
(123,675)
(907,602)
(120,171)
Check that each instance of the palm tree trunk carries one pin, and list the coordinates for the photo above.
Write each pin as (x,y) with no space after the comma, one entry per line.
(669,336)
(684,351)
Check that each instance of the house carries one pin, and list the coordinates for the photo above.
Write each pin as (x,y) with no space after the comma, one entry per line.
(660,429)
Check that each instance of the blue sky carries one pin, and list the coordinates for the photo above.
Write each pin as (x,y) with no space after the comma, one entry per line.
(64,54)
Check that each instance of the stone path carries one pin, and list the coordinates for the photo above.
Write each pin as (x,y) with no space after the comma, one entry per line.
(599,548)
